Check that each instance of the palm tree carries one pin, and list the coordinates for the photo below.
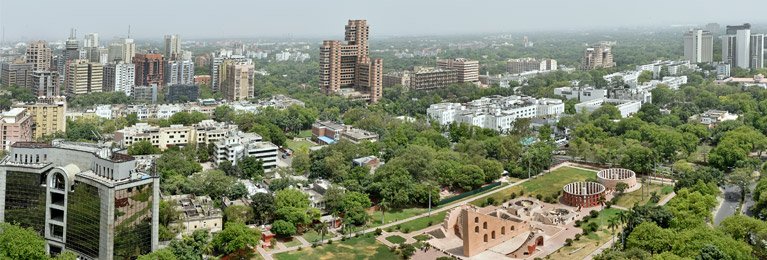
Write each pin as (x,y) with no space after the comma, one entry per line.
(348,226)
(602,212)
(624,218)
(321,228)
(383,206)
(365,219)
(612,223)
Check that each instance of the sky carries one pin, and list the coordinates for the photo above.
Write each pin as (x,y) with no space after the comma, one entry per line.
(216,19)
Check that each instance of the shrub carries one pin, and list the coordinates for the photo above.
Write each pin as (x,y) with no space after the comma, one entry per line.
(398,226)
(314,245)
(299,248)
(521,193)
(378,232)
(538,196)
(608,204)
(484,204)
(513,195)
(586,218)
(568,242)
(389,229)
(431,222)
(392,248)
(593,213)
(577,223)
(330,241)
(357,235)
(343,238)
(577,237)
(490,200)
(585,232)
(407,230)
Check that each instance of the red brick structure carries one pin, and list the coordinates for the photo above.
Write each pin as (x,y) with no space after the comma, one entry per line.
(148,69)
(202,80)
(583,194)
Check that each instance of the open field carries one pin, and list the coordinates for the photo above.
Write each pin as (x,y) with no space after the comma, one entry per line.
(546,185)
(311,236)
(305,133)
(423,222)
(627,200)
(395,239)
(298,145)
(355,248)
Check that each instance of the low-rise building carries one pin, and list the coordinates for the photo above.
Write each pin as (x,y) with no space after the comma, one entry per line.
(757,80)
(626,107)
(279,101)
(16,126)
(495,112)
(197,213)
(396,78)
(432,78)
(711,118)
(207,131)
(48,114)
(329,132)
(145,93)
(316,192)
(581,94)
(236,145)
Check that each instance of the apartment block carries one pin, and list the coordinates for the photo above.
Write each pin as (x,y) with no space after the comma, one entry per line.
(48,115)
(581,94)
(626,107)
(45,83)
(467,70)
(149,69)
(84,77)
(172,47)
(347,69)
(432,78)
(122,49)
(495,112)
(39,55)
(238,83)
(519,66)
(16,73)
(83,198)
(178,72)
(207,131)
(15,126)
(145,93)
(597,56)
(396,78)
(237,145)
(699,46)
(120,76)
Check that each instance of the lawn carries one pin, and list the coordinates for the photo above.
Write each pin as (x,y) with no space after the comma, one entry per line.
(395,215)
(355,248)
(421,237)
(395,239)
(589,243)
(311,236)
(627,200)
(298,145)
(423,222)
(546,185)
(305,133)
(290,242)
(501,186)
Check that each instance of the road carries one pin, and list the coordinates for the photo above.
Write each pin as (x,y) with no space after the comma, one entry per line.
(730,203)
(749,203)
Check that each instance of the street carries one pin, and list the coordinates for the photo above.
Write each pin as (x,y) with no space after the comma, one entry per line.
(731,196)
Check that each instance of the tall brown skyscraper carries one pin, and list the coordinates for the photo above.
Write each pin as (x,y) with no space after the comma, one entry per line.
(39,55)
(148,69)
(347,69)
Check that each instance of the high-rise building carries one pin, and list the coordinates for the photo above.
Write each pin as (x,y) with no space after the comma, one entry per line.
(80,197)
(178,72)
(119,77)
(735,45)
(39,55)
(71,52)
(91,40)
(122,49)
(468,70)
(17,127)
(756,51)
(214,64)
(432,78)
(182,92)
(347,69)
(238,84)
(145,93)
(597,56)
(16,73)
(149,69)
(48,113)
(522,65)
(84,77)
(45,83)
(699,46)
(172,47)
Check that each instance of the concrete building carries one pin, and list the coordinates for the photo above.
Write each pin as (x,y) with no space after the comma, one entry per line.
(16,125)
(45,83)
(494,112)
(238,84)
(16,73)
(518,66)
(172,47)
(82,198)
(39,55)
(699,46)
(197,213)
(121,49)
(84,77)
(279,101)
(467,70)
(237,145)
(757,80)
(182,93)
(432,78)
(396,78)
(711,118)
(597,56)
(581,94)
(316,192)
(741,48)
(672,67)
(207,131)
(347,69)
(119,76)
(145,93)
(329,132)
(202,80)
(723,69)
(178,72)
(48,114)
(149,69)
(756,51)
(70,54)
(91,40)
(626,107)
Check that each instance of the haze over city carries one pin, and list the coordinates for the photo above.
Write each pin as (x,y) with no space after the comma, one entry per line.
(307,18)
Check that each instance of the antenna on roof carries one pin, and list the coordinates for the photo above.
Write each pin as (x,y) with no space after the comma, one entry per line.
(129,31)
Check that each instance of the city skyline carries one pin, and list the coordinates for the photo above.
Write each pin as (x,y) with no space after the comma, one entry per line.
(314,19)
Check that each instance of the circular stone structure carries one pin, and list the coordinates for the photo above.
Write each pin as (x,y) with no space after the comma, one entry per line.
(583,194)
(611,177)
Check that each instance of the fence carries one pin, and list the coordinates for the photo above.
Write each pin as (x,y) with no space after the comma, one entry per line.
(468,193)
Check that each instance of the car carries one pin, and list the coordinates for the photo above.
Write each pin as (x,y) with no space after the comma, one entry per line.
(284,156)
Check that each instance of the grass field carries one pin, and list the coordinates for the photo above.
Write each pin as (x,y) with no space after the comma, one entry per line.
(627,200)
(311,236)
(290,242)
(589,243)
(305,133)
(355,248)
(546,185)
(298,145)
(395,239)
(423,222)
(422,237)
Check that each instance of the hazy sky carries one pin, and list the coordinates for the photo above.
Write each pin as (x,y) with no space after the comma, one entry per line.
(51,19)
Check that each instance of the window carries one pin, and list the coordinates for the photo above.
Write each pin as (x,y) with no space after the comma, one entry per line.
(492,235)
(476,219)
(484,225)
(485,238)
(503,231)
(476,229)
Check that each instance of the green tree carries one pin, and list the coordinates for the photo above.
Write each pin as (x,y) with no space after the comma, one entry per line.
(235,236)
(263,207)
(162,254)
(283,228)
(651,237)
(252,167)
(11,247)
(142,148)
(238,213)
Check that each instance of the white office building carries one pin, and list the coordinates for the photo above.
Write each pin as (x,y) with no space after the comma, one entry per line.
(626,107)
(581,94)
(120,77)
(495,112)
(698,46)
(236,145)
(178,72)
